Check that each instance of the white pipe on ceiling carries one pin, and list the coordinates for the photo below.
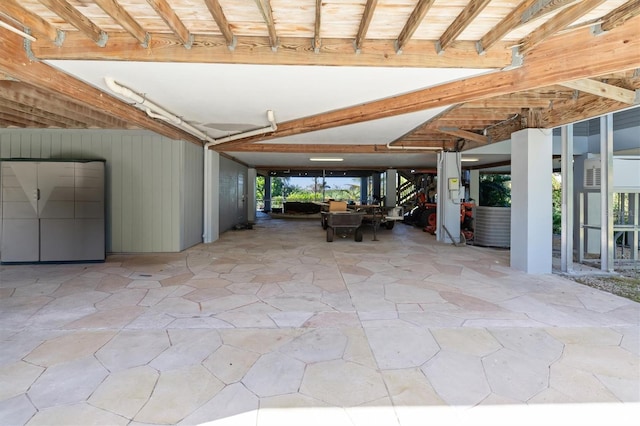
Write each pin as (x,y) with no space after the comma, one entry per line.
(154,110)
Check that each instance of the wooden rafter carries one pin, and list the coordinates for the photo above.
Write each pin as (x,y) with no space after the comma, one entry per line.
(30,20)
(42,114)
(468,14)
(557,23)
(71,89)
(323,148)
(267,14)
(470,114)
(317,41)
(169,16)
(513,103)
(464,134)
(585,107)
(63,9)
(620,15)
(414,21)
(367,14)
(25,94)
(28,113)
(292,51)
(563,58)
(523,13)
(425,126)
(218,15)
(125,20)
(605,90)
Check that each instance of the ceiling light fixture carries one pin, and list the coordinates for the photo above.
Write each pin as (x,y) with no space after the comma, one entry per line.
(469,159)
(325,159)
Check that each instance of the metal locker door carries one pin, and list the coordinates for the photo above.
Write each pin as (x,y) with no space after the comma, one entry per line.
(56,211)
(20,227)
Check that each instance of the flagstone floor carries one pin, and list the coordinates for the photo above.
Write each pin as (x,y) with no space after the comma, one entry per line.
(274,326)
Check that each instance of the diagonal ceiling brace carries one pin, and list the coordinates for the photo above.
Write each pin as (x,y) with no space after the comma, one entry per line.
(604,90)
(465,134)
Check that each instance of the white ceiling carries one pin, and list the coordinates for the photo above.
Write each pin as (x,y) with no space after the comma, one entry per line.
(225,98)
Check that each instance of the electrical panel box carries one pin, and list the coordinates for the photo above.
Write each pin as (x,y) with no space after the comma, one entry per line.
(454,184)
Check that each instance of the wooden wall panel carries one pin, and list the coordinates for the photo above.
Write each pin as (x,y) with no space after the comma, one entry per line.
(143,175)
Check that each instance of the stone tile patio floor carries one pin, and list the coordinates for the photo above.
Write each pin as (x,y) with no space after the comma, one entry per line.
(276,326)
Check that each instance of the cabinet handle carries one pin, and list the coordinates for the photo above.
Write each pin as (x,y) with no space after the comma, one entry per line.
(38,194)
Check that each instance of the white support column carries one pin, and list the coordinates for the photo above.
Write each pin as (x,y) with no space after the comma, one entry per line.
(251,195)
(474,186)
(531,211)
(566,244)
(606,193)
(211,214)
(449,185)
(392,188)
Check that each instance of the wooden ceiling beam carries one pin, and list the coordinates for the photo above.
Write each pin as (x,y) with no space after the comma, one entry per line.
(604,90)
(267,13)
(464,134)
(414,21)
(125,20)
(619,16)
(510,103)
(424,127)
(292,51)
(585,107)
(25,94)
(563,58)
(38,26)
(66,11)
(169,16)
(218,15)
(367,14)
(11,110)
(325,148)
(523,13)
(317,41)
(42,114)
(19,121)
(39,74)
(464,19)
(559,22)
(463,113)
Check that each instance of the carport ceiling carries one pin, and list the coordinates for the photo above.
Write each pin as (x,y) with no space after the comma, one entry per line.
(377,83)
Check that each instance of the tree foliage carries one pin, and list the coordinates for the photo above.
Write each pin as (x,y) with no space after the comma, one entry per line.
(495,190)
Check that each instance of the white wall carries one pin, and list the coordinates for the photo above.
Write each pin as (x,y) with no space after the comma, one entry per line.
(153,199)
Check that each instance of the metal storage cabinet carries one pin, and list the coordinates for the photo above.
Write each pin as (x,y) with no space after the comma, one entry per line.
(52,211)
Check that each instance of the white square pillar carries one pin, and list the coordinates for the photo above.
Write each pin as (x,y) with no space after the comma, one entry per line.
(391,190)
(211,215)
(531,210)
(252,174)
(449,186)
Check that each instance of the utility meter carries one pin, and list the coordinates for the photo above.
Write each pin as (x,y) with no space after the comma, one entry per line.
(454,188)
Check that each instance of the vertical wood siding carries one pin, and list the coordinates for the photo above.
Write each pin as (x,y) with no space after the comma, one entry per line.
(146,178)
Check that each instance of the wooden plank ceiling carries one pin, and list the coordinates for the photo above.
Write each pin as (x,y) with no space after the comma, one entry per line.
(558,61)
